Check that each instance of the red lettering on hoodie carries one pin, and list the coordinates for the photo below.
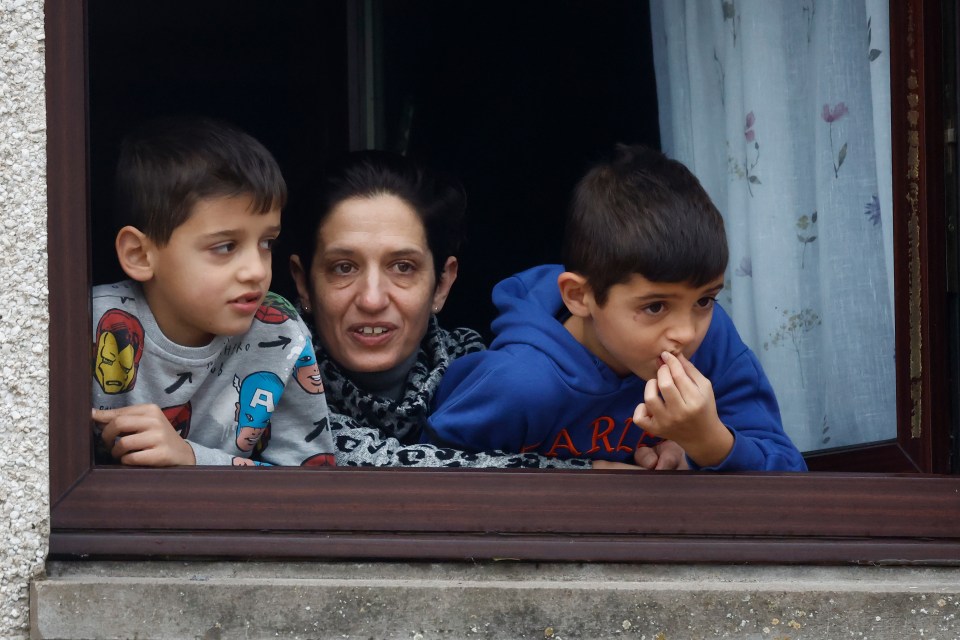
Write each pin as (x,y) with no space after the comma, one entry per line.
(563,441)
(598,436)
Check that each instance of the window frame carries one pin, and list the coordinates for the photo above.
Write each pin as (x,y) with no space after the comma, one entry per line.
(524,514)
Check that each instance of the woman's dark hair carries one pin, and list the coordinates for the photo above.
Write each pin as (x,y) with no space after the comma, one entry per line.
(643,213)
(438,200)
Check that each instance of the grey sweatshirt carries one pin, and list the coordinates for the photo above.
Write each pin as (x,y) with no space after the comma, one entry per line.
(254,396)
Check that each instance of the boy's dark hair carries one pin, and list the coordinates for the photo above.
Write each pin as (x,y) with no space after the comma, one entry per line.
(643,213)
(438,200)
(169,164)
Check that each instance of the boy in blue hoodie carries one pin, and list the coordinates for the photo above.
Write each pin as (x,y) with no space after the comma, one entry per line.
(624,354)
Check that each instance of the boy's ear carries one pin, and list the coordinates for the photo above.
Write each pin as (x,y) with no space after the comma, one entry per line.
(134,251)
(575,292)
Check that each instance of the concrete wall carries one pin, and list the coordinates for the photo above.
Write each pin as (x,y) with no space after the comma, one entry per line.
(494,600)
(214,600)
(23,309)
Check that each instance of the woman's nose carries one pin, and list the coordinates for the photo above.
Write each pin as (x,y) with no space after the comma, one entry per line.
(372,295)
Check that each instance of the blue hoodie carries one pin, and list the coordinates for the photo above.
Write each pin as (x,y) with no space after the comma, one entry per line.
(538,389)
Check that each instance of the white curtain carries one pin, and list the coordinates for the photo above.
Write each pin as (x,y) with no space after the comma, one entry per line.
(782,109)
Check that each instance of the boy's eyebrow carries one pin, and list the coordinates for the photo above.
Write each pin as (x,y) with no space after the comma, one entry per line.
(713,291)
(668,296)
(656,296)
(716,289)
(232,233)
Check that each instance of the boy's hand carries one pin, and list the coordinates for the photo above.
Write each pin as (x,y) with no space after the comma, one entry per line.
(141,435)
(665,456)
(678,405)
(610,464)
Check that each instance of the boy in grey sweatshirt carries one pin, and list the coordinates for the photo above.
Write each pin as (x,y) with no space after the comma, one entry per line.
(193,354)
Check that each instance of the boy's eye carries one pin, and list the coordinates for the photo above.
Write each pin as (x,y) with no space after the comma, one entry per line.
(706,302)
(267,244)
(655,308)
(223,248)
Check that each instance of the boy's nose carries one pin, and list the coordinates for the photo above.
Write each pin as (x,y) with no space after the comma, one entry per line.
(255,267)
(683,331)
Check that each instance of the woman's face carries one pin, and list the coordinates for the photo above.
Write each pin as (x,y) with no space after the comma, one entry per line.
(371,285)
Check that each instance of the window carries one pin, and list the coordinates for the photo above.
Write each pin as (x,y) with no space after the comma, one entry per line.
(518,106)
(403,513)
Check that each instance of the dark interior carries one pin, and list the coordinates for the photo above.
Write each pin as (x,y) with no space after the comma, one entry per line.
(515,98)
(277,70)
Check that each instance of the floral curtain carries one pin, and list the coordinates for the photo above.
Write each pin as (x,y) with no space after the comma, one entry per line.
(782,109)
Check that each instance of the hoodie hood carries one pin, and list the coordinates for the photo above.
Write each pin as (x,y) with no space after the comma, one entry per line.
(531,309)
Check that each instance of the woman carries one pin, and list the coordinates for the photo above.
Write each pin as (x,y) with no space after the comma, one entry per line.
(372,268)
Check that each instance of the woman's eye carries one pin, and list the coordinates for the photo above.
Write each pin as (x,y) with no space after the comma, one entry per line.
(342,269)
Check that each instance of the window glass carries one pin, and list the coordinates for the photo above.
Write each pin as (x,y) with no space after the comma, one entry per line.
(782,109)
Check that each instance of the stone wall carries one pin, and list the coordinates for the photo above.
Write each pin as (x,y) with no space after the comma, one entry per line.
(24,497)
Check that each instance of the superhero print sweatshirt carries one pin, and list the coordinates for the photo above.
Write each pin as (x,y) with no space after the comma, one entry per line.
(255,398)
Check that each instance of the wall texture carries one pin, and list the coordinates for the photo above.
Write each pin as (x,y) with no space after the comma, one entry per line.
(493,600)
(24,502)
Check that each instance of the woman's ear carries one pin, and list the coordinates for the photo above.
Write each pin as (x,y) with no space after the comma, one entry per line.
(576,293)
(447,277)
(134,252)
(300,280)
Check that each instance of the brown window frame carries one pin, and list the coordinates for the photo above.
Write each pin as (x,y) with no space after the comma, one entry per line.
(531,515)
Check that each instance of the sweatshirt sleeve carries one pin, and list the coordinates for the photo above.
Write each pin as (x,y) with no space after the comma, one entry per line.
(746,404)
(210,456)
(357,445)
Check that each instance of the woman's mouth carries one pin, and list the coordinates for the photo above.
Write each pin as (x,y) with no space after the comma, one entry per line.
(372,335)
